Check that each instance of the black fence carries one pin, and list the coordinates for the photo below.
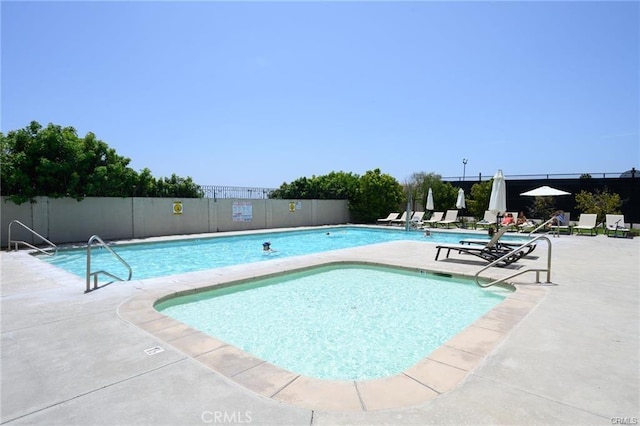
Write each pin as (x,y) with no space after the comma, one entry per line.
(624,184)
(627,187)
(603,175)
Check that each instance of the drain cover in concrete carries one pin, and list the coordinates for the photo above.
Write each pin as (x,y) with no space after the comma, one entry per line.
(154,350)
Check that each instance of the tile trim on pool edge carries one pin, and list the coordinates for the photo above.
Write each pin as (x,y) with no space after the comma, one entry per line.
(439,372)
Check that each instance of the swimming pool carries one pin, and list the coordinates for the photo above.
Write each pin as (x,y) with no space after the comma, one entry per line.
(150,260)
(338,322)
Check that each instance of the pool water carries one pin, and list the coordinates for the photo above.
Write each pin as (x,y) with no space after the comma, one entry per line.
(150,260)
(352,322)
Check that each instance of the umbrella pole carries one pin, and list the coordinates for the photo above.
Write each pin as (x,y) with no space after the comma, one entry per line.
(498,221)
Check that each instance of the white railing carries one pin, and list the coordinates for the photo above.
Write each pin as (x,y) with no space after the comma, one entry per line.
(96,273)
(16,242)
(510,253)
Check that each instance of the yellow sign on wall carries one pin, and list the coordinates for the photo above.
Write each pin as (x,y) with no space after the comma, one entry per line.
(292,206)
(177,207)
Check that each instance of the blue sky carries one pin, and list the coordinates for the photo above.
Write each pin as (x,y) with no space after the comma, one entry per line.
(261,93)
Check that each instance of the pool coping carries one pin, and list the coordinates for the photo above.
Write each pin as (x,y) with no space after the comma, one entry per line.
(441,371)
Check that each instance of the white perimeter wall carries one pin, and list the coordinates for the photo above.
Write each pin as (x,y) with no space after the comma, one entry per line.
(65,220)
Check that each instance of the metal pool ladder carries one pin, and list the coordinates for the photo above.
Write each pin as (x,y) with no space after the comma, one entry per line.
(16,242)
(96,273)
(536,270)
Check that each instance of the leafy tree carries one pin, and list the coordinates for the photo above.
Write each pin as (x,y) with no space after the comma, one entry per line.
(370,197)
(445,196)
(55,162)
(377,195)
(541,207)
(420,183)
(599,202)
(479,197)
(339,185)
(176,186)
(444,193)
(334,186)
(301,188)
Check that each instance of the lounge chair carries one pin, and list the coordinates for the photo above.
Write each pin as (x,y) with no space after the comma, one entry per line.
(615,225)
(587,222)
(416,219)
(511,226)
(449,218)
(387,220)
(500,244)
(401,220)
(435,218)
(490,252)
(530,225)
(488,219)
(565,226)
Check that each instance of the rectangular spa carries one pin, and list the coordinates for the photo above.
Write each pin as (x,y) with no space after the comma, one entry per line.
(346,321)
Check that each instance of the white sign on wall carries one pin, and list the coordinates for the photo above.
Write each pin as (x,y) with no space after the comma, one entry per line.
(242,211)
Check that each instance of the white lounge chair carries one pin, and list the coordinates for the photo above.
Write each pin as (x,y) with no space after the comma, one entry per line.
(587,222)
(614,224)
(511,226)
(401,220)
(416,219)
(564,227)
(450,218)
(488,219)
(387,220)
(435,218)
(530,225)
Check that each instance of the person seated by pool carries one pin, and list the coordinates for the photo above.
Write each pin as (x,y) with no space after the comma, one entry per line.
(508,220)
(557,219)
(522,219)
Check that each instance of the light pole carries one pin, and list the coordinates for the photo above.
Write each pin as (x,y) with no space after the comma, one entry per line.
(464,167)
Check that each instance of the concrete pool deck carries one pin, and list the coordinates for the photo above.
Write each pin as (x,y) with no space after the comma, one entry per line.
(74,358)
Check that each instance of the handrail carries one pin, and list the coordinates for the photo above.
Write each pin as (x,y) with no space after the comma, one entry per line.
(95,274)
(542,225)
(9,240)
(522,247)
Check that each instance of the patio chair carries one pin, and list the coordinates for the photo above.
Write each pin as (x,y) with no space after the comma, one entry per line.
(416,219)
(387,220)
(530,225)
(511,226)
(450,218)
(587,222)
(564,227)
(614,224)
(435,218)
(490,252)
(401,220)
(500,244)
(488,220)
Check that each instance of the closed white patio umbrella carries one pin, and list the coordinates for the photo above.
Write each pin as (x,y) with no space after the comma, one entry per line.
(498,198)
(460,203)
(430,200)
